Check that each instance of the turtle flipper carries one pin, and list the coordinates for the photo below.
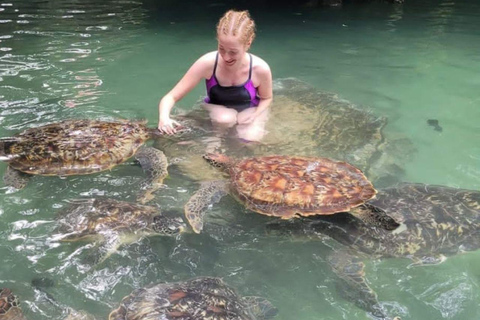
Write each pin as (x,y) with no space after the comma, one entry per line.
(431,260)
(78,315)
(374,216)
(14,178)
(210,192)
(260,308)
(154,163)
(353,285)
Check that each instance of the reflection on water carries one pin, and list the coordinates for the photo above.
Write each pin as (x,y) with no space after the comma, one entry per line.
(372,76)
(63,44)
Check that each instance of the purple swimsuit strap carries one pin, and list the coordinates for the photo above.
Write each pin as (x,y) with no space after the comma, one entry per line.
(248,85)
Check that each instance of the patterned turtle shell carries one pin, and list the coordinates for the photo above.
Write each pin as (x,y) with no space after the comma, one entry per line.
(9,309)
(203,298)
(286,186)
(74,147)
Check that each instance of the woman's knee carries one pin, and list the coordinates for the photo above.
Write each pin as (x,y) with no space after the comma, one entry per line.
(251,132)
(224,118)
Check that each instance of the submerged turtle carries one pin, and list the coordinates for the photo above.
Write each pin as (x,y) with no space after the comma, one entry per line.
(9,306)
(286,187)
(196,299)
(113,223)
(10,309)
(77,147)
(303,121)
(436,221)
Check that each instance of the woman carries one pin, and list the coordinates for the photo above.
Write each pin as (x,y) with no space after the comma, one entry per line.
(239,84)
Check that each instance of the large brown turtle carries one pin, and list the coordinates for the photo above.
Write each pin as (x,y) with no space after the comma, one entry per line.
(77,147)
(288,187)
(112,223)
(203,298)
(436,222)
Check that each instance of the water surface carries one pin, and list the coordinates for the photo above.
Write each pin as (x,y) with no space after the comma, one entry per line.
(109,59)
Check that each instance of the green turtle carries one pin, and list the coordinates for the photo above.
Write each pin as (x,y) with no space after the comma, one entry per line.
(203,298)
(288,187)
(77,147)
(436,222)
(9,306)
(112,223)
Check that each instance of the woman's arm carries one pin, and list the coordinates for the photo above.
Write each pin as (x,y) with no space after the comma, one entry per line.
(200,69)
(265,91)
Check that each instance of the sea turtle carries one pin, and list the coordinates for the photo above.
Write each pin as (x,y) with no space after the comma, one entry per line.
(436,221)
(9,306)
(289,186)
(10,309)
(200,298)
(112,223)
(77,147)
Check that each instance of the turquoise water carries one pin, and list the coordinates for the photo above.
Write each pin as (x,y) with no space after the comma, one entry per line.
(64,59)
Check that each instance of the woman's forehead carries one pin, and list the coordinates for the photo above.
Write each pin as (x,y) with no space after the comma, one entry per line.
(229,42)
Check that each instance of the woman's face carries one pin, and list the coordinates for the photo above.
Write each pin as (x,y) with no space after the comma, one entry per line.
(231,49)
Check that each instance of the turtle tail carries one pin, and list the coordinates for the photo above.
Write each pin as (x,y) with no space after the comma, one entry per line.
(3,156)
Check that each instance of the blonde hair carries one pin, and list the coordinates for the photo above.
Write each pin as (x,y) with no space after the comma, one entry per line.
(237,23)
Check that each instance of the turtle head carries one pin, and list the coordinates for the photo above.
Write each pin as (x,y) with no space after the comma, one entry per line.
(168,226)
(218,160)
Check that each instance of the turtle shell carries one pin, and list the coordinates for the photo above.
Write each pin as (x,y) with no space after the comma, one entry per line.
(85,218)
(74,147)
(9,309)
(196,299)
(286,186)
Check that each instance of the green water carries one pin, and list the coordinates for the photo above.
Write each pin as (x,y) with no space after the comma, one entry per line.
(105,59)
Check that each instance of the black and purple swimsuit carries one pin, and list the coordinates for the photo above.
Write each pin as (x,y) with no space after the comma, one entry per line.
(239,97)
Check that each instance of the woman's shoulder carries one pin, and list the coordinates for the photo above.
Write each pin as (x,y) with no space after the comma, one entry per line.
(205,64)
(208,57)
(259,65)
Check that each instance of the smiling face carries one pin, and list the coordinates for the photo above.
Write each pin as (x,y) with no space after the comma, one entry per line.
(231,49)
(235,33)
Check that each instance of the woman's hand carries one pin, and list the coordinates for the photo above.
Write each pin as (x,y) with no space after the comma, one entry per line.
(247,119)
(168,126)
